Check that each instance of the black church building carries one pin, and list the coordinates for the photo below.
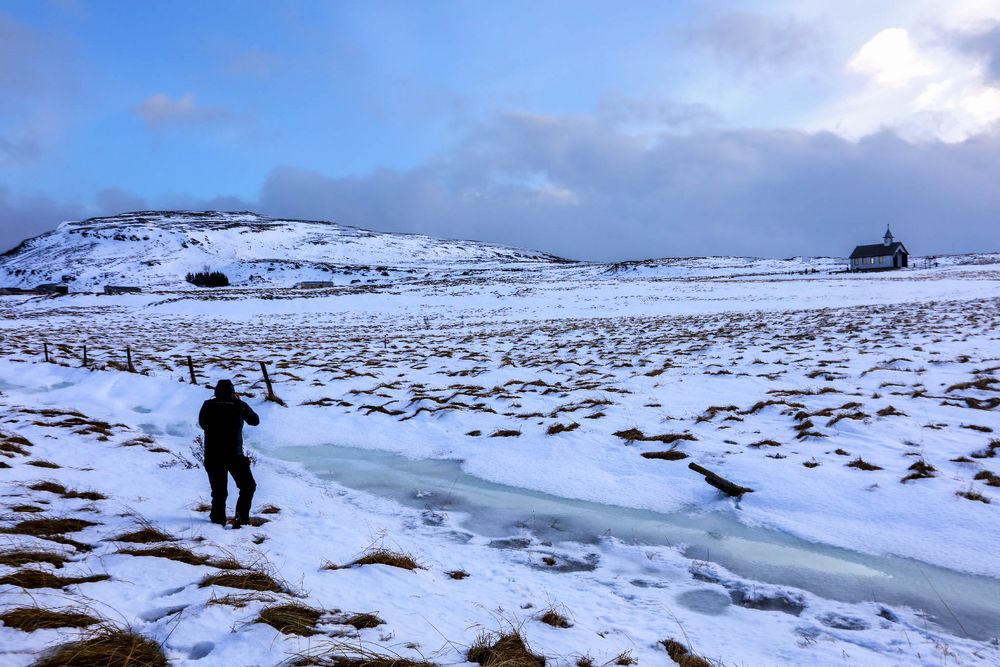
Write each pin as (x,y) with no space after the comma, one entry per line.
(889,254)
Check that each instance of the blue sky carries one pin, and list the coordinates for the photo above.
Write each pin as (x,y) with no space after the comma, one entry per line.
(591,129)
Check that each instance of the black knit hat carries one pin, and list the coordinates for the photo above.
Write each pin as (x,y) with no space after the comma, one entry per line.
(224,389)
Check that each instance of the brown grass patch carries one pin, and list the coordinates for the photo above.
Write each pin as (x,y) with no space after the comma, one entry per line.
(505,433)
(474,434)
(669,455)
(811,464)
(110,647)
(890,411)
(30,619)
(388,557)
(49,487)
(634,434)
(363,621)
(624,659)
(989,452)
(32,578)
(861,464)
(269,509)
(41,463)
(858,416)
(973,495)
(342,655)
(458,575)
(507,650)
(682,656)
(982,384)
(19,558)
(921,469)
(248,580)
(145,535)
(765,443)
(291,619)
(988,477)
(48,527)
(54,487)
(555,619)
(170,552)
(557,428)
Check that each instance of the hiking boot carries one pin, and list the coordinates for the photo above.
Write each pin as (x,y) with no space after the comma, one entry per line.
(236,524)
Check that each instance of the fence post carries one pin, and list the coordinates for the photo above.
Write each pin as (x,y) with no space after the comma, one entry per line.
(128,354)
(270,390)
(46,347)
(84,356)
(191,370)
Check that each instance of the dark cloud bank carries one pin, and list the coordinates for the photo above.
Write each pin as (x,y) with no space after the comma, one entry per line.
(587,189)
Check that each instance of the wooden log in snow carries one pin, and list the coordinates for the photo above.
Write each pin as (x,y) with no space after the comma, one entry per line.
(721,483)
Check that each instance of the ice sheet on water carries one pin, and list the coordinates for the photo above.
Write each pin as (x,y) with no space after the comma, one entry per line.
(520,519)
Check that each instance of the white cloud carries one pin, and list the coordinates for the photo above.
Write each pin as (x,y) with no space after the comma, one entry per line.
(160,111)
(891,58)
(921,88)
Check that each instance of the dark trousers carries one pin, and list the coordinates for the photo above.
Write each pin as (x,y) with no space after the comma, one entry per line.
(218,476)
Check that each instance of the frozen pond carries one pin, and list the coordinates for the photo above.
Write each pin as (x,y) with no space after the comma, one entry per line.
(769,556)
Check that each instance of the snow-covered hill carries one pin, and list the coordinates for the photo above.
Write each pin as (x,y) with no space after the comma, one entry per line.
(158,248)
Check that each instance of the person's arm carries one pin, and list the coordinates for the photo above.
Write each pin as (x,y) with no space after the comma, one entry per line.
(202,415)
(249,416)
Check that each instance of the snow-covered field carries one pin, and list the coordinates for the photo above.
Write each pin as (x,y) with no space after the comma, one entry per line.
(862,409)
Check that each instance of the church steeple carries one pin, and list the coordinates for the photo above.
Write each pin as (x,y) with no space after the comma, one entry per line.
(887,239)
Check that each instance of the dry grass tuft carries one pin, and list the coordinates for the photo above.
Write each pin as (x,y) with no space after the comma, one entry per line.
(987,476)
(765,443)
(291,619)
(505,433)
(108,647)
(49,526)
(170,552)
(344,655)
(458,575)
(382,556)
(48,486)
(558,428)
(970,494)
(680,654)
(552,617)
(890,411)
(634,434)
(474,434)
(248,580)
(625,659)
(921,469)
(145,535)
(54,487)
(669,455)
(30,619)
(269,509)
(507,650)
(363,621)
(32,578)
(861,464)
(19,558)
(41,463)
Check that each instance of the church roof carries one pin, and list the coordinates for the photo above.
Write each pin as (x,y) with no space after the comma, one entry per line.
(877,250)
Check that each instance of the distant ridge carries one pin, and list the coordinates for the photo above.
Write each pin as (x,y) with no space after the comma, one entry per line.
(158,248)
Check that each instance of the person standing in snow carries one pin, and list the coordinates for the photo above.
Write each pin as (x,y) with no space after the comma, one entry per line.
(222,418)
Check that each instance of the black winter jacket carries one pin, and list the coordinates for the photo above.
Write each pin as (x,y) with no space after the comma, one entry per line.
(222,419)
